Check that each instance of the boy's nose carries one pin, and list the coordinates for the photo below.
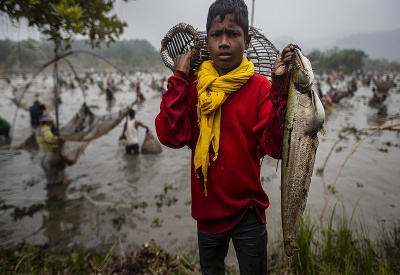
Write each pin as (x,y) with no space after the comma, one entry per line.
(224,41)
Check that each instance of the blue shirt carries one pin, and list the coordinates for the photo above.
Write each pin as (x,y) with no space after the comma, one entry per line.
(35,115)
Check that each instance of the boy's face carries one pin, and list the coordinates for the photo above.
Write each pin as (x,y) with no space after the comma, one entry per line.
(226,44)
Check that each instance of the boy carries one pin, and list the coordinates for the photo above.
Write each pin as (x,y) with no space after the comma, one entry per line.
(230,118)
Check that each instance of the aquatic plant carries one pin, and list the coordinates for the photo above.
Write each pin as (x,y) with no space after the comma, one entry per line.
(164,198)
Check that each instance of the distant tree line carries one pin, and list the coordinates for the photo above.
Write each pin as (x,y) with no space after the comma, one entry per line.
(29,55)
(134,55)
(348,61)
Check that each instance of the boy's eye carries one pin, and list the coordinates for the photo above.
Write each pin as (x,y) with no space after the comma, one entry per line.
(233,34)
(216,34)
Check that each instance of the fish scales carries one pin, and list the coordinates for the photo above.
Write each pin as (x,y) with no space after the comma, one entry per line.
(304,118)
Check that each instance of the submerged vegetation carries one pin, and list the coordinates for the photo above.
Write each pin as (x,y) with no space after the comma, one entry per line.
(340,247)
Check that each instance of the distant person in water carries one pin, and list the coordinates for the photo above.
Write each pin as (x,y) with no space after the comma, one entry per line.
(139,95)
(110,90)
(130,133)
(52,164)
(5,128)
(325,98)
(35,113)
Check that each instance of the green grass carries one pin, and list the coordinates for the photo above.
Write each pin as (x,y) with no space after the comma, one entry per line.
(343,247)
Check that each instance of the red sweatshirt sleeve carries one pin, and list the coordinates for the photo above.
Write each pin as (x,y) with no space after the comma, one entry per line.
(271,142)
(174,121)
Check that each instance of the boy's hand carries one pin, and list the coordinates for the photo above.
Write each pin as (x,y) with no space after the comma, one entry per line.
(182,62)
(283,60)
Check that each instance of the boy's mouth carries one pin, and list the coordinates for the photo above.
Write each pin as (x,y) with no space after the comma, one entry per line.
(224,55)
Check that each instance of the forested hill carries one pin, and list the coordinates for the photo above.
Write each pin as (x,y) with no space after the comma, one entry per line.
(140,55)
(376,45)
(130,55)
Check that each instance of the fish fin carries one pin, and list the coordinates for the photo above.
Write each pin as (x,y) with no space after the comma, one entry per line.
(323,131)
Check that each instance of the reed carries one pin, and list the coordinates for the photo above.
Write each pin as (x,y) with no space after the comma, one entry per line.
(342,246)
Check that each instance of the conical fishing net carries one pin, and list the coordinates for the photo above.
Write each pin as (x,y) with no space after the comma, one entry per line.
(84,127)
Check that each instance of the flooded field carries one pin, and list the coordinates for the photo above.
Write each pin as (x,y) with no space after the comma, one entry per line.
(129,200)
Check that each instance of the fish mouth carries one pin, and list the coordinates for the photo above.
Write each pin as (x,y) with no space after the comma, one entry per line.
(299,60)
(304,79)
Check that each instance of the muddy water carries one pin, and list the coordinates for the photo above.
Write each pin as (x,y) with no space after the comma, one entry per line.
(129,200)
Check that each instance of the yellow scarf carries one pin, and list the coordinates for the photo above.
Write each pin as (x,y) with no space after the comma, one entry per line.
(213,90)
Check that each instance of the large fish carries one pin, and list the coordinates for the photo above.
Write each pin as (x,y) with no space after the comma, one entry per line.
(304,118)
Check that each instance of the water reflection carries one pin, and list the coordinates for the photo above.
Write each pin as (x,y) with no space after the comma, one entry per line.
(63,218)
(131,169)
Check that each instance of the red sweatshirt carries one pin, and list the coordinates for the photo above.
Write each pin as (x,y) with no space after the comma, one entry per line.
(250,123)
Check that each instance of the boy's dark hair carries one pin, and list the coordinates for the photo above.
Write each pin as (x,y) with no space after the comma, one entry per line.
(237,8)
(132,113)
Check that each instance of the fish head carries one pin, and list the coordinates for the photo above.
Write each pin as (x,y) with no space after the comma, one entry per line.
(302,73)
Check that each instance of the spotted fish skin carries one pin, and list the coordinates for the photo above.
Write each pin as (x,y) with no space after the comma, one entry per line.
(304,118)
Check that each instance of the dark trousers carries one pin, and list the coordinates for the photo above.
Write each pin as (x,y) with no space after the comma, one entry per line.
(132,149)
(249,238)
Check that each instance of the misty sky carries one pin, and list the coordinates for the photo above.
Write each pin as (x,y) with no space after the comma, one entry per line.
(299,19)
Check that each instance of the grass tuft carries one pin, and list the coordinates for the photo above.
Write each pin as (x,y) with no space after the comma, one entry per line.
(336,246)
(343,247)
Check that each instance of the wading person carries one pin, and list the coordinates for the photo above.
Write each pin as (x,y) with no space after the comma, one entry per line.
(48,143)
(130,133)
(35,114)
(139,94)
(229,117)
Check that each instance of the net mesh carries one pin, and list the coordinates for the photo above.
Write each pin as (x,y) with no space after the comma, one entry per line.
(87,126)
(84,127)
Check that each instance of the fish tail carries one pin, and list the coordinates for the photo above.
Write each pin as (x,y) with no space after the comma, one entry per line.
(290,245)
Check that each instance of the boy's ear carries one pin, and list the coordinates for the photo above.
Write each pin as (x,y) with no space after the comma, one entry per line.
(247,42)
